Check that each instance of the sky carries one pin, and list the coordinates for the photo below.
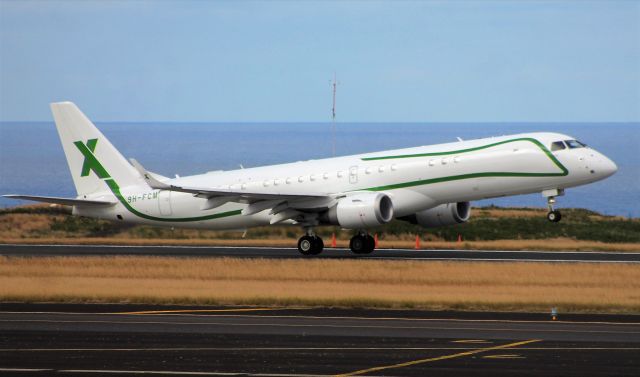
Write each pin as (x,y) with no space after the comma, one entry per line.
(241,61)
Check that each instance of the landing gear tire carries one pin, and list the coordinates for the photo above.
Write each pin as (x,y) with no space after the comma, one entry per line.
(362,244)
(310,245)
(554,216)
(318,245)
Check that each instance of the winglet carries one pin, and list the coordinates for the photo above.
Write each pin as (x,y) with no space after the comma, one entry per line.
(148,177)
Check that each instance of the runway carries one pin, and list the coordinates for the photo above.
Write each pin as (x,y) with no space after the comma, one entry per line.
(270,252)
(45,339)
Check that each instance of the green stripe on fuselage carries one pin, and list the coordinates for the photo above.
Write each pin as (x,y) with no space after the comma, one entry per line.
(116,191)
(91,163)
(563,170)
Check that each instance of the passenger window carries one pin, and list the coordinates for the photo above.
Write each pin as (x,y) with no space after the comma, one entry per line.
(557,145)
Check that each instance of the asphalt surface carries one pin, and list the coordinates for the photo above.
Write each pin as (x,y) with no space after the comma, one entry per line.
(269,252)
(56,339)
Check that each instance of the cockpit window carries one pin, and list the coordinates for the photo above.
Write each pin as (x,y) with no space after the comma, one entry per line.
(557,145)
(574,144)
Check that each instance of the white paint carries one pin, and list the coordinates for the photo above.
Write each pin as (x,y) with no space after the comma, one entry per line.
(410,183)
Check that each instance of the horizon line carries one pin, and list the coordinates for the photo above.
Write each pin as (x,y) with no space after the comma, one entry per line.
(337,122)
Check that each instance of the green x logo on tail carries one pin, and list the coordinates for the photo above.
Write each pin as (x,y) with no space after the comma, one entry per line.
(90,161)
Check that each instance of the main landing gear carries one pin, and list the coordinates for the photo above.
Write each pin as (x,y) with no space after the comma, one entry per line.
(311,244)
(553,215)
(362,243)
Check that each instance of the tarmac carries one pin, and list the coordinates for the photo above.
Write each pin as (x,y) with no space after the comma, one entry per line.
(280,253)
(42,339)
(105,339)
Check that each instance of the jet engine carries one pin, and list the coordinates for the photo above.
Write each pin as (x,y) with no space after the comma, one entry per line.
(442,215)
(360,211)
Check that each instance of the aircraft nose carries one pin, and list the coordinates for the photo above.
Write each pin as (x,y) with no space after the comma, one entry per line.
(607,167)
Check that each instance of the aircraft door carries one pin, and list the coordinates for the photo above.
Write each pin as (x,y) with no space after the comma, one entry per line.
(353,174)
(164,202)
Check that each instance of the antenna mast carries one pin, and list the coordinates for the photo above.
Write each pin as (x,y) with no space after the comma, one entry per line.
(333,118)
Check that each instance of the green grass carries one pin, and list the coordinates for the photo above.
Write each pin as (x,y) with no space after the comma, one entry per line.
(576,224)
(486,224)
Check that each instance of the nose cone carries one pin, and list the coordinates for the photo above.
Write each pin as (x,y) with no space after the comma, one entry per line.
(606,167)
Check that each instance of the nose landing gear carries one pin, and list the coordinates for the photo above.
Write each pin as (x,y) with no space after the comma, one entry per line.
(553,215)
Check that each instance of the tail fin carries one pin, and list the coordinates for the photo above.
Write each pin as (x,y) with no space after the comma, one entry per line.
(91,157)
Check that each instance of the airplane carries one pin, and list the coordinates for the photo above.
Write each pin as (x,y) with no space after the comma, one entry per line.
(428,185)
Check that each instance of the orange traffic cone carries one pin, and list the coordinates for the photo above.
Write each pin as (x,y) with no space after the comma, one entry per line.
(333,240)
(375,239)
(417,242)
(459,238)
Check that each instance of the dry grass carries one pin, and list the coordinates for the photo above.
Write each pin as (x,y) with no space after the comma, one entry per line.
(433,285)
(559,244)
(23,223)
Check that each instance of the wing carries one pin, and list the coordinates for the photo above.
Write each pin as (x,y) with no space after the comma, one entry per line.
(301,208)
(204,192)
(63,201)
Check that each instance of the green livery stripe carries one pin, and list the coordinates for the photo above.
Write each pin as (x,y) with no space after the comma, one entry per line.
(91,163)
(116,191)
(534,141)
(459,177)
(563,170)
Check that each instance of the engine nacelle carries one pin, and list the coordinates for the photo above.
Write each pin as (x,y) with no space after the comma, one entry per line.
(360,211)
(442,215)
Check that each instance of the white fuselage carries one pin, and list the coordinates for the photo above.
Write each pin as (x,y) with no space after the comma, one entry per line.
(414,178)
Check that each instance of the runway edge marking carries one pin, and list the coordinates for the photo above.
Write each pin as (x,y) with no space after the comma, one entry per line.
(432,359)
(186,311)
(634,252)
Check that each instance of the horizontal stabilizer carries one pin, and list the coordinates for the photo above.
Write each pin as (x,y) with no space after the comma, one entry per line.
(63,201)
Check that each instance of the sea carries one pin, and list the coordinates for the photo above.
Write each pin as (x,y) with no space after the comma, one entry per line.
(32,161)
